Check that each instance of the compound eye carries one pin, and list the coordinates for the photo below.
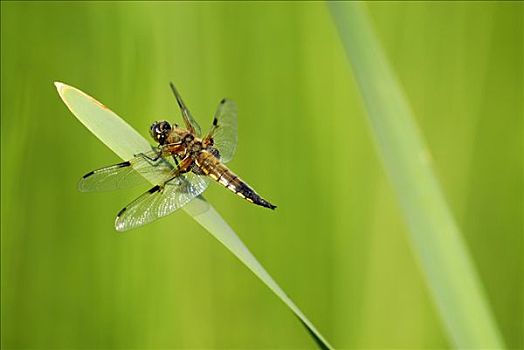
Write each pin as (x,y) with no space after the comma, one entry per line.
(165,126)
(159,131)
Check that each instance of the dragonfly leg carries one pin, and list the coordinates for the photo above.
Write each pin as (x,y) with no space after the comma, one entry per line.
(184,166)
(150,160)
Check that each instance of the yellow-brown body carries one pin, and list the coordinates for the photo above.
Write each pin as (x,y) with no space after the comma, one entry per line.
(212,167)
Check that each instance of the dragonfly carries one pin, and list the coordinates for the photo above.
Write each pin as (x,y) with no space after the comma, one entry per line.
(183,161)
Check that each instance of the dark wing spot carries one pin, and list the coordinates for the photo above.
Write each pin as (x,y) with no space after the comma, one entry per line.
(223,101)
(173,88)
(215,122)
(88,174)
(121,212)
(154,189)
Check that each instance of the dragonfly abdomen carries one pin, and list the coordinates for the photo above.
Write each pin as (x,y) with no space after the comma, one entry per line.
(212,167)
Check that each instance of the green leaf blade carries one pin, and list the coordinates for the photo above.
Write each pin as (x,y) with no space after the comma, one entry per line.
(446,263)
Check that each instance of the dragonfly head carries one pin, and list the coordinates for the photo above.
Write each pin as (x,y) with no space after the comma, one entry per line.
(160,131)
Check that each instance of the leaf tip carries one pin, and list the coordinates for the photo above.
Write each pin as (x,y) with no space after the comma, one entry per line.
(59,86)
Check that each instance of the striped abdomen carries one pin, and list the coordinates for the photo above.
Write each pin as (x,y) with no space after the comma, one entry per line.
(212,167)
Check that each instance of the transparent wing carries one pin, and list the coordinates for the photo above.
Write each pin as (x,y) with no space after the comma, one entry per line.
(127,174)
(161,200)
(225,129)
(191,123)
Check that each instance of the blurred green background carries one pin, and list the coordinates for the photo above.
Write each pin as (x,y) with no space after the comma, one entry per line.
(337,243)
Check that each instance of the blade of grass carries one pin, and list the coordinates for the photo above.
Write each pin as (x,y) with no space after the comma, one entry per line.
(436,239)
(125,141)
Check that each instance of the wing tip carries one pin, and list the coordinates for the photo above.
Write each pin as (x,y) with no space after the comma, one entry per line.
(119,226)
(177,95)
(81,184)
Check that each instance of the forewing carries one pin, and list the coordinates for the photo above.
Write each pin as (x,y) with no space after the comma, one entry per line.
(191,123)
(225,132)
(127,174)
(161,200)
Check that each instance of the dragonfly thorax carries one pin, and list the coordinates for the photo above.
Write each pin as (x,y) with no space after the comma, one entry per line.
(196,146)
